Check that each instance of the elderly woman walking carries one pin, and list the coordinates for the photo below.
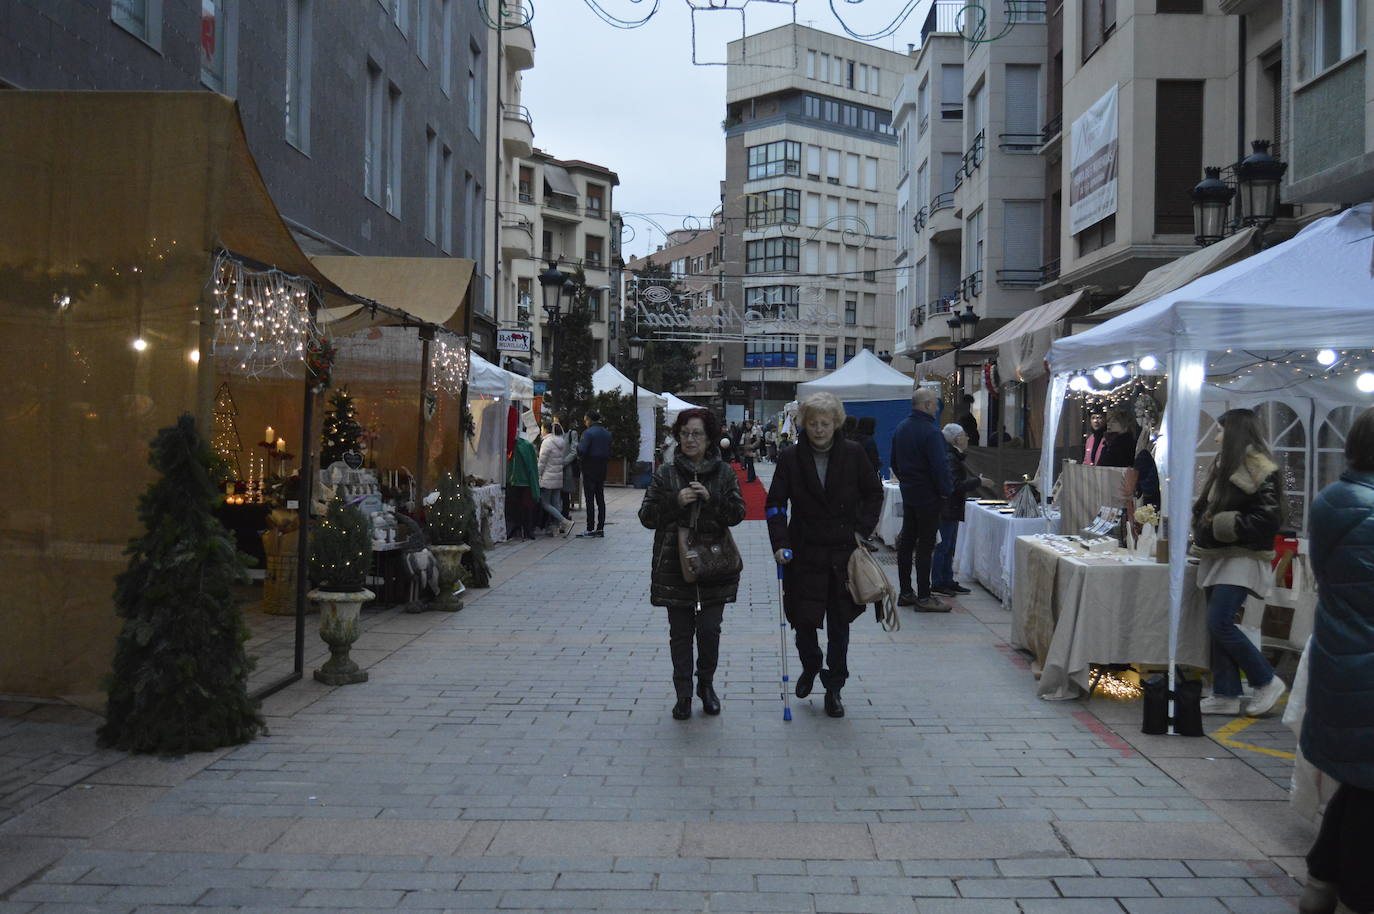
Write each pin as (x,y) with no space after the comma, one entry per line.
(700,489)
(942,563)
(832,493)
(1338,729)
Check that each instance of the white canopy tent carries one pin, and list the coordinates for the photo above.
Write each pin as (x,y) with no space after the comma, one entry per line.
(675,405)
(868,386)
(607,379)
(491,391)
(1246,334)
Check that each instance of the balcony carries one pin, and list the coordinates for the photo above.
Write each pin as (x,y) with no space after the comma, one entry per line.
(517,131)
(1050,271)
(972,160)
(518,42)
(1020,279)
(940,216)
(517,236)
(1031,12)
(971,286)
(944,18)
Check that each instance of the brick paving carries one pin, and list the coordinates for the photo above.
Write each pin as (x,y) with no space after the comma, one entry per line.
(519,755)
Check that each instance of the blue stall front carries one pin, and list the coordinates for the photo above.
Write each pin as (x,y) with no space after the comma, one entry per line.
(868,386)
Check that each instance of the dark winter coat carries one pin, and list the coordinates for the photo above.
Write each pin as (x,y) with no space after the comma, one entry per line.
(871,449)
(594,447)
(965,484)
(661,513)
(1338,730)
(1118,450)
(819,525)
(919,462)
(1240,515)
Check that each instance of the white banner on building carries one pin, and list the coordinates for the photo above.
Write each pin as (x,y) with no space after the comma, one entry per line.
(1093,169)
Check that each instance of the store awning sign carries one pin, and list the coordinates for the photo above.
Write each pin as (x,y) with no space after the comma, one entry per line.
(513,340)
(1092,178)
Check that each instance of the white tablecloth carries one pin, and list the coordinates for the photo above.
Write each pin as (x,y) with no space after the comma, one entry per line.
(986,548)
(890,520)
(492,497)
(1075,611)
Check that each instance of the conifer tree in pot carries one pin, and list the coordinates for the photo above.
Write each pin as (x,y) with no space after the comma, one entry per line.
(340,555)
(179,681)
(451,538)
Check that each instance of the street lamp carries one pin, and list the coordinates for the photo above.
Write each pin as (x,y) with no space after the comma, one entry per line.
(962,327)
(553,283)
(635,347)
(1211,204)
(1259,175)
(886,357)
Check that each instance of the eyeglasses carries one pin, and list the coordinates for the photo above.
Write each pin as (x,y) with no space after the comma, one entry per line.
(691,434)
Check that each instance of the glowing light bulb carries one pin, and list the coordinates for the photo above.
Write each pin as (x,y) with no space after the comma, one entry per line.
(194,355)
(1118,371)
(1149,363)
(140,344)
(1102,376)
(1326,357)
(1078,383)
(1365,382)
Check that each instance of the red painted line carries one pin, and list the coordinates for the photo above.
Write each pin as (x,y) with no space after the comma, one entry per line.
(1016,657)
(1105,733)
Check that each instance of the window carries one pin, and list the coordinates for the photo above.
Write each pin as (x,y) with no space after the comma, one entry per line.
(851,116)
(771,351)
(870,173)
(373,126)
(923,106)
(810,356)
(811,106)
(851,169)
(594,304)
(1329,31)
(871,346)
(446,200)
(832,166)
(976,111)
(446,47)
(810,64)
(596,200)
(596,248)
(851,312)
(422,29)
(1097,236)
(526,185)
(779,302)
(547,245)
(474,98)
(1178,6)
(952,92)
(392,191)
(400,14)
(813,162)
(1099,19)
(849,75)
(849,350)
(299,55)
(773,207)
(472,241)
(974,238)
(829,358)
(216,40)
(772,159)
(771,255)
(824,74)
(140,18)
(869,120)
(1022,229)
(1023,102)
(1178,153)
(433,178)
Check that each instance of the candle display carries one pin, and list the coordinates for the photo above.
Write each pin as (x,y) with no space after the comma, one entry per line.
(281,445)
(270,435)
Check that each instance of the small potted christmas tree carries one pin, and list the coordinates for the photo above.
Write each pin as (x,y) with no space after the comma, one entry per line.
(448,532)
(180,673)
(341,434)
(340,555)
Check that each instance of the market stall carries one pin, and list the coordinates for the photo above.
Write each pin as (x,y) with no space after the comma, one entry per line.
(1290,326)
(675,405)
(607,379)
(867,386)
(985,549)
(495,397)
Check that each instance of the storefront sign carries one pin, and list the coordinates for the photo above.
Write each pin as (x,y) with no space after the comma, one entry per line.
(1093,168)
(513,340)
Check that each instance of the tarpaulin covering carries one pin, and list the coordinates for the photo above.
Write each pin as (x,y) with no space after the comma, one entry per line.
(429,288)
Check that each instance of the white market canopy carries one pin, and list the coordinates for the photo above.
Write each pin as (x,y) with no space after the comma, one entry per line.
(863,378)
(607,379)
(675,405)
(487,380)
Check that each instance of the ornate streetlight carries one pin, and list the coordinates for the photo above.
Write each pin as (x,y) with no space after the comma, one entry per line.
(1211,206)
(554,283)
(1259,175)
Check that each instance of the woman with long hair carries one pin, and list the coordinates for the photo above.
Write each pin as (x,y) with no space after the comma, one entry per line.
(697,487)
(832,492)
(1235,517)
(552,452)
(1118,446)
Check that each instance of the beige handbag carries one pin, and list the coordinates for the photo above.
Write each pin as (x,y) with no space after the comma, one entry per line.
(868,583)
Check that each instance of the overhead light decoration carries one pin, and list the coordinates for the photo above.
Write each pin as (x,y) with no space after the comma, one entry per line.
(262,318)
(140,344)
(1365,382)
(1078,383)
(1118,371)
(1102,376)
(1149,363)
(1326,357)
(448,365)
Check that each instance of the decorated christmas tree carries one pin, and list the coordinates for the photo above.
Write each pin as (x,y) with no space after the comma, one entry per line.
(453,522)
(341,433)
(225,436)
(180,673)
(340,549)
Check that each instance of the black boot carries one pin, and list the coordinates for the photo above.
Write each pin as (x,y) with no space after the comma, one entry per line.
(833,705)
(683,709)
(804,683)
(710,703)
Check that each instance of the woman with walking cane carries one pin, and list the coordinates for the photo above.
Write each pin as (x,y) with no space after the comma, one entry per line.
(832,492)
(700,490)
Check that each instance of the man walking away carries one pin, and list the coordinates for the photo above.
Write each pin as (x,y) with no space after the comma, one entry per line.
(594,453)
(918,461)
(748,444)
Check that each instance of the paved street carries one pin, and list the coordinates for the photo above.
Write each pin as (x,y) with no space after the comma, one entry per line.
(519,755)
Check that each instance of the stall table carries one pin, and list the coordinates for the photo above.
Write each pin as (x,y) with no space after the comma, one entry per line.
(1072,611)
(985,550)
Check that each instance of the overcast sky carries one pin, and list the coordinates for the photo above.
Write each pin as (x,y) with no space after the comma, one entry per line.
(633,101)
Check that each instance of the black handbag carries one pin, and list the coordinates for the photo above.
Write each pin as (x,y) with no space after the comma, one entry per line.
(707,557)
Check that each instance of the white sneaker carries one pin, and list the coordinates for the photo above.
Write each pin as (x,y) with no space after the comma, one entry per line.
(1215,704)
(566,529)
(1265,697)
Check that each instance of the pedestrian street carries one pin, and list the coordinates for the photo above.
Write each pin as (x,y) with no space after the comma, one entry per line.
(520,756)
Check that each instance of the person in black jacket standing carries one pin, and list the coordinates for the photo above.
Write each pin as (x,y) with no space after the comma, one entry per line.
(832,493)
(594,454)
(922,469)
(866,427)
(942,566)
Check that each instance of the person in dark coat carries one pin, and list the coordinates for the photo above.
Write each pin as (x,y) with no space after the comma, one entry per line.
(968,420)
(866,428)
(1096,439)
(1235,517)
(1118,448)
(1338,729)
(965,484)
(922,469)
(696,481)
(831,492)
(594,455)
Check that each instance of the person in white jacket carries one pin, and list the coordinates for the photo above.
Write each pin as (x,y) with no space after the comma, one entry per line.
(551,456)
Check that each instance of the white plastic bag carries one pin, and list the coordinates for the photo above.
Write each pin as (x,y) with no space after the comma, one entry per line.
(1311,788)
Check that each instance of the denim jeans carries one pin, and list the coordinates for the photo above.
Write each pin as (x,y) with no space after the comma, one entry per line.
(1231,650)
(551,500)
(942,563)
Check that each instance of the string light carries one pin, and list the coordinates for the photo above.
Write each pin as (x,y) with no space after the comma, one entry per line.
(1102,376)
(1118,371)
(140,344)
(1365,382)
(1148,363)
(262,318)
(448,366)
(1326,357)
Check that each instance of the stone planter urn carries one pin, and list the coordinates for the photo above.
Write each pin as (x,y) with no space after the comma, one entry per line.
(450,559)
(339,629)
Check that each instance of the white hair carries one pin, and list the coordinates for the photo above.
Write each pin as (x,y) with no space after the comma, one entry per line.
(925,399)
(821,403)
(953,431)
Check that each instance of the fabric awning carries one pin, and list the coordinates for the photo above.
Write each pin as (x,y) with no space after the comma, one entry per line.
(560,182)
(940,367)
(1020,346)
(1178,273)
(428,288)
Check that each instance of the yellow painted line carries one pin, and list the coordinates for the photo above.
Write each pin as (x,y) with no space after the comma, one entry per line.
(1225,737)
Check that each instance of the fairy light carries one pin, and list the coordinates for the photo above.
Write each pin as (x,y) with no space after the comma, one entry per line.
(1148,363)
(1326,357)
(262,318)
(1102,376)
(1118,371)
(1365,382)
(139,344)
(448,366)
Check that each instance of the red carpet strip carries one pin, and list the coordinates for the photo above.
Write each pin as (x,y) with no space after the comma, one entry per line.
(754,496)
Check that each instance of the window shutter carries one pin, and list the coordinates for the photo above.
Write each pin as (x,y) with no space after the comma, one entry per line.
(1092,26)
(1178,153)
(952,85)
(1021,231)
(1023,99)
(1178,6)
(950,163)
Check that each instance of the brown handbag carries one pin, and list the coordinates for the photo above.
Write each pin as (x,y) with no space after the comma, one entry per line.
(707,558)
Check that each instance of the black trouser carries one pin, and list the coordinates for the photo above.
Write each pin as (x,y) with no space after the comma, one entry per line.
(683,623)
(594,492)
(1345,847)
(750,475)
(836,660)
(920,524)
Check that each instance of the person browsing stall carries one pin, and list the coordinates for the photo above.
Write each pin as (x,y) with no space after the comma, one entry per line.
(594,455)
(922,469)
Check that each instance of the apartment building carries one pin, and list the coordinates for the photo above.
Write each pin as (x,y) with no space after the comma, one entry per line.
(809,207)
(562,212)
(367,118)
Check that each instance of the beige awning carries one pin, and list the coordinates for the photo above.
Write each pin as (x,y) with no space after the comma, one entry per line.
(560,182)
(1021,345)
(1178,273)
(940,367)
(431,289)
